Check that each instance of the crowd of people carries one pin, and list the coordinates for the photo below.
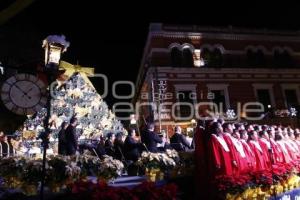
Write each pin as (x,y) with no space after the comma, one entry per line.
(120,146)
(224,149)
(237,148)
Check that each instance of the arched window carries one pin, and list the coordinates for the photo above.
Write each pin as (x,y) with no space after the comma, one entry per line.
(187,56)
(282,59)
(206,56)
(277,59)
(250,57)
(176,57)
(286,58)
(260,58)
(217,59)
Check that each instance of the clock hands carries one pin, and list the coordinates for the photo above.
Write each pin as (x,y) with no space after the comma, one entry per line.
(19,89)
(24,93)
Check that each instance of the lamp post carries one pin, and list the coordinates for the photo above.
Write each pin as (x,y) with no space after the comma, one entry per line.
(54,46)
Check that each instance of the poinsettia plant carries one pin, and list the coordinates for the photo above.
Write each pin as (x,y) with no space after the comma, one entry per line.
(232,184)
(146,190)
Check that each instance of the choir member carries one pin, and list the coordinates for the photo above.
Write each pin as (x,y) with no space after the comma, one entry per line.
(261,163)
(219,154)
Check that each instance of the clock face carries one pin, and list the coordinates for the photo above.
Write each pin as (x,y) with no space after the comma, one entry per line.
(24,94)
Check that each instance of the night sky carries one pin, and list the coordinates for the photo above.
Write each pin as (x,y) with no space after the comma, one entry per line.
(111,37)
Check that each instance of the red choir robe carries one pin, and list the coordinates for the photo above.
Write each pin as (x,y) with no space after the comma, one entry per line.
(266,147)
(219,156)
(261,163)
(277,153)
(242,160)
(235,156)
(291,150)
(297,149)
(298,143)
(284,152)
(251,160)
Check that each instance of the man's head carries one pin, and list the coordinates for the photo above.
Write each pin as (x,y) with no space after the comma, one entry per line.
(228,128)
(178,129)
(263,134)
(150,126)
(73,121)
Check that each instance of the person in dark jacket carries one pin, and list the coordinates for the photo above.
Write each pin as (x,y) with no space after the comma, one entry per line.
(118,146)
(62,139)
(132,147)
(71,138)
(179,139)
(150,138)
(109,144)
(7,148)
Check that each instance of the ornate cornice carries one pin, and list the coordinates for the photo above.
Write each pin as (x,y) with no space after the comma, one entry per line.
(225,36)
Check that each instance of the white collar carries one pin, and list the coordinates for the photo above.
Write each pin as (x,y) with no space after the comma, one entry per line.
(222,142)
(264,140)
(256,144)
(239,147)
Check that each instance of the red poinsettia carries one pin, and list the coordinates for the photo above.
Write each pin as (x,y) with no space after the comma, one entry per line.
(232,184)
(262,178)
(146,190)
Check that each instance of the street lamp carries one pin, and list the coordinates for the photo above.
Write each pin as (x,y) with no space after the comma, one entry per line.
(54,46)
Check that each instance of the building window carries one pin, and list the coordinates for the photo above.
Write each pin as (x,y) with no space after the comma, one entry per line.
(255,58)
(291,95)
(250,57)
(206,56)
(263,96)
(185,94)
(185,97)
(176,57)
(187,57)
(291,98)
(260,58)
(219,99)
(282,59)
(221,96)
(216,59)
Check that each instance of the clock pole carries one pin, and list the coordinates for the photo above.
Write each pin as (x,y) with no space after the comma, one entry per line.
(54,46)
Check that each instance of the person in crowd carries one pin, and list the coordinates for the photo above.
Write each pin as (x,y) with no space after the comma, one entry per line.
(71,137)
(276,152)
(62,142)
(132,147)
(265,144)
(150,138)
(281,144)
(165,142)
(241,156)
(290,139)
(7,148)
(180,140)
(201,178)
(220,159)
(109,144)
(261,163)
(251,160)
(100,148)
(235,150)
(297,137)
(119,146)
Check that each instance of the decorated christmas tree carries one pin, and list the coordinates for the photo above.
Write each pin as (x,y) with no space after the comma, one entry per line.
(75,95)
